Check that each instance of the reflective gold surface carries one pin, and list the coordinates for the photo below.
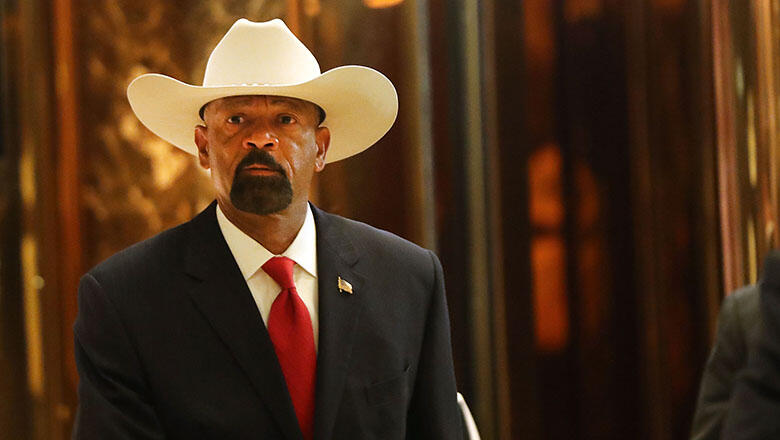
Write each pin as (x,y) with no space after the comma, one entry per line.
(134,184)
(747,82)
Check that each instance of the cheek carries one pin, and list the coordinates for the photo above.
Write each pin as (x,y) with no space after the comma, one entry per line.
(225,137)
(222,167)
(223,157)
(304,162)
(307,154)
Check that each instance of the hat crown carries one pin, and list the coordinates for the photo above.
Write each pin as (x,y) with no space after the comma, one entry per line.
(260,53)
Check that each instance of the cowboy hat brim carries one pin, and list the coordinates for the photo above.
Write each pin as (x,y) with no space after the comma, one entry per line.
(360,105)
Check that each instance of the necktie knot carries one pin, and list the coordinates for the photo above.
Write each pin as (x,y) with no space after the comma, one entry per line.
(281,270)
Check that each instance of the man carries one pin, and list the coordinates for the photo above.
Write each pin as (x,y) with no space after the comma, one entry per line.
(265,317)
(738,329)
(755,407)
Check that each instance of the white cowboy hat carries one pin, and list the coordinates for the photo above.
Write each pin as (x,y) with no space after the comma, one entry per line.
(360,103)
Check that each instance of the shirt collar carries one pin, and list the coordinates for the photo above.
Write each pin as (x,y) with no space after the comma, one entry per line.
(251,255)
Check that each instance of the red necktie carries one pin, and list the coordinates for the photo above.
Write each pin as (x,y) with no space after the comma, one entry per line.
(289,326)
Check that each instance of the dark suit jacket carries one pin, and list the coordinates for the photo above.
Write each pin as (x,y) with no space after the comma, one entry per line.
(737,335)
(170,344)
(755,408)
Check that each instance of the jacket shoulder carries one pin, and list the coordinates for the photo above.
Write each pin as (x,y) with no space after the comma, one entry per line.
(371,239)
(388,259)
(771,271)
(744,300)
(156,253)
(740,314)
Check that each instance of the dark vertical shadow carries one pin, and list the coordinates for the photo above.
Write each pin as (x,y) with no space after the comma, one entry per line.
(14,403)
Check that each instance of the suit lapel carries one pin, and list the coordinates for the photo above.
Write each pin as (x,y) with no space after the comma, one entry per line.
(222,296)
(338,315)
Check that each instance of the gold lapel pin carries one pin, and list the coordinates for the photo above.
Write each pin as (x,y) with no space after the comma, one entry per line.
(344,286)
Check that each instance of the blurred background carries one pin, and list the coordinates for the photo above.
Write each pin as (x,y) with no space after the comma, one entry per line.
(594,174)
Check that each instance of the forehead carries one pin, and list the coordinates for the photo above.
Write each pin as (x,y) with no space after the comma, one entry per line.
(232,102)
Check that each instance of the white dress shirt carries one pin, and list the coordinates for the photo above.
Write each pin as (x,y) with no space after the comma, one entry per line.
(251,255)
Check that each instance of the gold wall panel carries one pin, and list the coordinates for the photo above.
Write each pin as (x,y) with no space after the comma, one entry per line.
(133,184)
(747,79)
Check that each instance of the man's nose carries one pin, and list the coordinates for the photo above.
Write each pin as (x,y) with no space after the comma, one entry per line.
(261,137)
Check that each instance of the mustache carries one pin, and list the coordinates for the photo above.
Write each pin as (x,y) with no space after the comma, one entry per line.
(260,157)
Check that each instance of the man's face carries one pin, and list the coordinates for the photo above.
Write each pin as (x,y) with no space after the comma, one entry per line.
(262,151)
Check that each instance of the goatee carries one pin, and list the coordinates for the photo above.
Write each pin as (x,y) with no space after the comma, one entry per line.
(261,195)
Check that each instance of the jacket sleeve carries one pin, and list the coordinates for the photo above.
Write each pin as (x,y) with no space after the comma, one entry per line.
(727,358)
(756,403)
(433,410)
(114,399)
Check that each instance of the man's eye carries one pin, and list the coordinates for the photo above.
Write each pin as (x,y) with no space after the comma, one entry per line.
(286,119)
(235,119)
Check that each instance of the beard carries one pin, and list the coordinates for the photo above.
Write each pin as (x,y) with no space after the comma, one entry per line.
(261,195)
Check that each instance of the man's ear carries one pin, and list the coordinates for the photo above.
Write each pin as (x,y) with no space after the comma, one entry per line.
(322,139)
(202,142)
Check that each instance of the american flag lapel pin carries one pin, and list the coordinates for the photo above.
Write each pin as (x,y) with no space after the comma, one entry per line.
(344,286)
